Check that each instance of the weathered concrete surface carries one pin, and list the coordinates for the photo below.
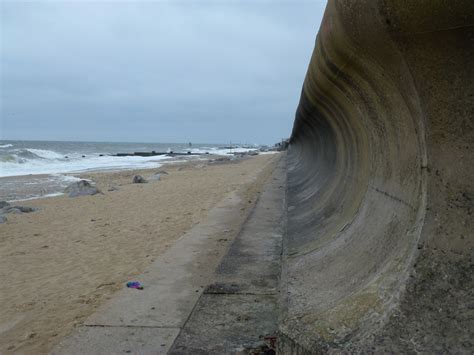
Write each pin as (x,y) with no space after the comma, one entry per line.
(148,321)
(240,307)
(378,254)
(119,340)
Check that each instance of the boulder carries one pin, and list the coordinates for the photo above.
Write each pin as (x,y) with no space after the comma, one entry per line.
(16,209)
(81,188)
(25,209)
(5,208)
(138,179)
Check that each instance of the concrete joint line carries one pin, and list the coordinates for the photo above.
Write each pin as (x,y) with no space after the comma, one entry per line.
(131,326)
(241,293)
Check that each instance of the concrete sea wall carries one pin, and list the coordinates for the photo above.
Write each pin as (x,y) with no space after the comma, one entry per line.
(378,249)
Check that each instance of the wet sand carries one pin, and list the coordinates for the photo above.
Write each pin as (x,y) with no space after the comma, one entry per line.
(60,263)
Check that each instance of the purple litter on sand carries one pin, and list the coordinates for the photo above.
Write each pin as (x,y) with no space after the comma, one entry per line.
(135,284)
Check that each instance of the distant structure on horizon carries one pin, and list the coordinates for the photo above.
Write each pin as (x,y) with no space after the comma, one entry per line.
(283,145)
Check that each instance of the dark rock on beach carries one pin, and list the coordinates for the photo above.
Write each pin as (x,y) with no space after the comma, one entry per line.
(8,209)
(138,179)
(18,209)
(81,188)
(25,209)
(5,208)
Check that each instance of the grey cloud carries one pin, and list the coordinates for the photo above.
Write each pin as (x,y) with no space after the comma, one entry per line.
(154,71)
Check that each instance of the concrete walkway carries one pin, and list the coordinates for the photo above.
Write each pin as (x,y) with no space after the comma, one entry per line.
(186,302)
(238,312)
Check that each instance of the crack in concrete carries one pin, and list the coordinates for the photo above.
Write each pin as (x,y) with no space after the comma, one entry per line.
(394,198)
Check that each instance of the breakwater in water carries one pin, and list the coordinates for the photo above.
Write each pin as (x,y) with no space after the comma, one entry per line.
(378,250)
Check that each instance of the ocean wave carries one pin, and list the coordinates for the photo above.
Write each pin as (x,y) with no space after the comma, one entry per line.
(26,161)
(45,154)
(6,146)
(22,156)
(9,158)
(20,166)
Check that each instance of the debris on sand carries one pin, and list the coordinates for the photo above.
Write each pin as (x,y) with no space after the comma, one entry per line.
(135,284)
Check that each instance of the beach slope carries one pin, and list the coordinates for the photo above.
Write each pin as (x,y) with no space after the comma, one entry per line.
(65,260)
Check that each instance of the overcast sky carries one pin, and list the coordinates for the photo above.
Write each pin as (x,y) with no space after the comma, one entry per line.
(154,71)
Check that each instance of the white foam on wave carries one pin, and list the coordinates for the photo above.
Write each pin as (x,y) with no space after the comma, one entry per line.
(32,161)
(65,178)
(45,154)
(54,194)
(36,186)
(57,166)
(6,146)
(269,152)
(220,151)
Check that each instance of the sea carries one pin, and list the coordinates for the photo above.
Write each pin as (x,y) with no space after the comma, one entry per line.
(34,169)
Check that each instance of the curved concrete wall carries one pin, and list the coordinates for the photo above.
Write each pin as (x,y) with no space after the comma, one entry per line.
(378,254)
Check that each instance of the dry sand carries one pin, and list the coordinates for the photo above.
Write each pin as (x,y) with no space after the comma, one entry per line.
(60,263)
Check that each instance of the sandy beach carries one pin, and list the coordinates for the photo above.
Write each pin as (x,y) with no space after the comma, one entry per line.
(60,263)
